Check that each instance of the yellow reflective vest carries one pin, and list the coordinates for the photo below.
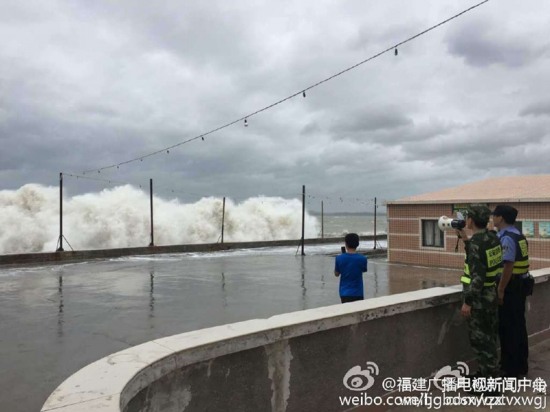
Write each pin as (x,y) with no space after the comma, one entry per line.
(492,260)
(521,264)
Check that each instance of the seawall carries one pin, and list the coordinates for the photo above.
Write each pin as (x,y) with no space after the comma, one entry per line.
(83,255)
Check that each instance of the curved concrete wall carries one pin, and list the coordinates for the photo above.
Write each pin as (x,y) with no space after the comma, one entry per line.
(291,362)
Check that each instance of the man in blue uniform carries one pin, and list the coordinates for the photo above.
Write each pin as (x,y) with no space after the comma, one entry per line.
(514,348)
(350,267)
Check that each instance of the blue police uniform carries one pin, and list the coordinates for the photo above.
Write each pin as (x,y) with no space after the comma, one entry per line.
(514,346)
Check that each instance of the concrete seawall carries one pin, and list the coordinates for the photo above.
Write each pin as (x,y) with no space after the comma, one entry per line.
(82,255)
(291,362)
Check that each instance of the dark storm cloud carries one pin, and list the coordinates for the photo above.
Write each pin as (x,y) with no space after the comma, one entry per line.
(481,44)
(392,128)
(217,35)
(370,120)
(91,84)
(480,142)
(536,109)
(101,111)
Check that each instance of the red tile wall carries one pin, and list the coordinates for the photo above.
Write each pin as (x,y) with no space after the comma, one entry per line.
(404,235)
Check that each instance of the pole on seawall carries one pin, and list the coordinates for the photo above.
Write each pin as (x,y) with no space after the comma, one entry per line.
(374,223)
(60,241)
(322,221)
(223,216)
(151,208)
(303,216)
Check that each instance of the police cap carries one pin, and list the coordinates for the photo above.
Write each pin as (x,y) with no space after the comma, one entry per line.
(508,212)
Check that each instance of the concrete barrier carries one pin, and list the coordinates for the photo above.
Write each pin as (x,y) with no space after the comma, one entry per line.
(83,255)
(290,362)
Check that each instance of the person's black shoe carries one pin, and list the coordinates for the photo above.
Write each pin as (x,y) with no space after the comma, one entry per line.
(514,373)
(509,374)
(523,372)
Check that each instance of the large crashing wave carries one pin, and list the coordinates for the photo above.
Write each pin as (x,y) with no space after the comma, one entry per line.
(120,217)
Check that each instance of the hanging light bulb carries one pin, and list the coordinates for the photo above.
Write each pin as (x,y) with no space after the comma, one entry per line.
(304,93)
(396,52)
(245,123)
(202,137)
(168,151)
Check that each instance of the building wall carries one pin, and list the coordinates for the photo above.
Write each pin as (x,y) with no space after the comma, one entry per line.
(405,234)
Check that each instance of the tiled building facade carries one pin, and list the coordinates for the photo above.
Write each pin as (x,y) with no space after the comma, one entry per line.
(414,237)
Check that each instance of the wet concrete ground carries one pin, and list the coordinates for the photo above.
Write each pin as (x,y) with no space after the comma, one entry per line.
(56,319)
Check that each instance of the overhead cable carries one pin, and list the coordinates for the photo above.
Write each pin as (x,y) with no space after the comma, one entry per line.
(301,92)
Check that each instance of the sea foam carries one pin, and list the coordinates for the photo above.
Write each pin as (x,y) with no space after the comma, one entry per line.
(120,217)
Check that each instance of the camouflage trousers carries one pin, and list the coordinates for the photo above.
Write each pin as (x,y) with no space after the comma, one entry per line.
(483,332)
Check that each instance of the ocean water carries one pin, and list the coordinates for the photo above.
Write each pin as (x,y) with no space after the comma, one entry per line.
(57,319)
(339,225)
(120,217)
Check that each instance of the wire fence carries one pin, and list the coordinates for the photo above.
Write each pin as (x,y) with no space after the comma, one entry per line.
(128,216)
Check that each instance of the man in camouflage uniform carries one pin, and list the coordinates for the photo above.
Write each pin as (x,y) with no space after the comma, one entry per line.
(480,303)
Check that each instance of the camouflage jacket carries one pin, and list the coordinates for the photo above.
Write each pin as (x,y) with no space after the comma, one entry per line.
(476,259)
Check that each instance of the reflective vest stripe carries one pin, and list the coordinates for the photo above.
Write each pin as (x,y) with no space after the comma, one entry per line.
(491,274)
(467,280)
(520,268)
(521,264)
(493,258)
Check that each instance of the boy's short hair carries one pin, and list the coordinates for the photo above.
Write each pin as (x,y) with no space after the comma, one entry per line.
(352,240)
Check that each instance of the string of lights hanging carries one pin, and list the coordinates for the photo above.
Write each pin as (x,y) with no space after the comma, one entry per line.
(301,92)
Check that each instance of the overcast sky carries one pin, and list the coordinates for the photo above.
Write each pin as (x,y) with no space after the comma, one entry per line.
(88,84)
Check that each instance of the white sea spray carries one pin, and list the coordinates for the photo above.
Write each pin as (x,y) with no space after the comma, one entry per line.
(120,217)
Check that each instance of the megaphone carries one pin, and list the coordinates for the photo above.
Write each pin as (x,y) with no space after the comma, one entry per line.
(447,223)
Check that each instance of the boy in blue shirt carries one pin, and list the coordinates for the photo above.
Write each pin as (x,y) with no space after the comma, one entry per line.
(350,267)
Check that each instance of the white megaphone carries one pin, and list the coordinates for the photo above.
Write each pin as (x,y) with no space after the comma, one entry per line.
(447,223)
(444,223)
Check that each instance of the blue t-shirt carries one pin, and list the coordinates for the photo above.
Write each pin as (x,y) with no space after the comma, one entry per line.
(351,267)
(508,244)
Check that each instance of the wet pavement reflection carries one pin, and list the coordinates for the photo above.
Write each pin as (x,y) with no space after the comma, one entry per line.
(55,320)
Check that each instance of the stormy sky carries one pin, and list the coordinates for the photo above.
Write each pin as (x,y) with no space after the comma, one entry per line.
(89,84)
